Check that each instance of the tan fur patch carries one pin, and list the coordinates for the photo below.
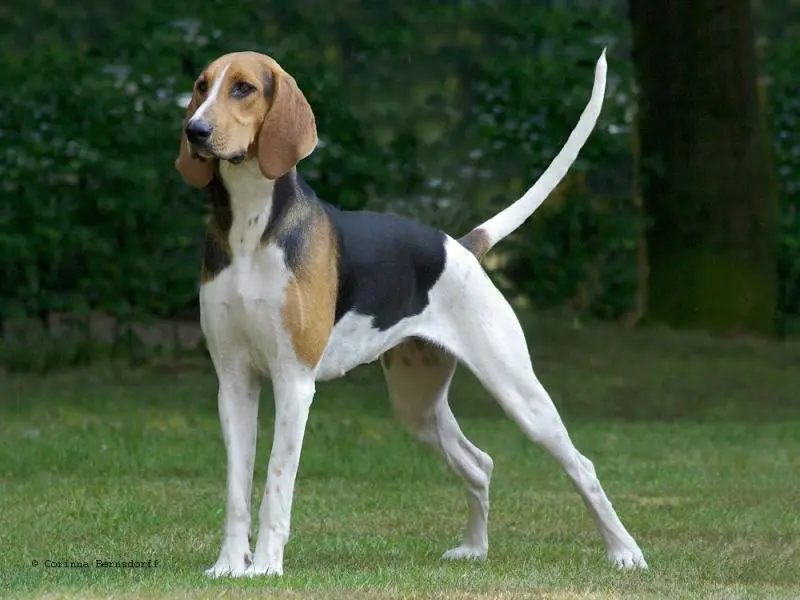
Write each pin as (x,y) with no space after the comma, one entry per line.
(476,241)
(308,313)
(414,352)
(416,373)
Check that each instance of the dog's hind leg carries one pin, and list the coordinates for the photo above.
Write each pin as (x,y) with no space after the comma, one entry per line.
(418,376)
(479,326)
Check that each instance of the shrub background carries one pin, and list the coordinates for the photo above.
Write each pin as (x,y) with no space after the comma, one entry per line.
(442,111)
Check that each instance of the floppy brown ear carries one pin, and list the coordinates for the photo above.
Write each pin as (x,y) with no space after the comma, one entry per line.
(195,170)
(289,131)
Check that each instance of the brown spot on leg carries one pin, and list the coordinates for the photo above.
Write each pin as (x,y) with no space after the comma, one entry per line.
(416,385)
(430,358)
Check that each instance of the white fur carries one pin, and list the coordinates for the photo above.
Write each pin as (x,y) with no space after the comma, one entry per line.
(354,342)
(467,318)
(212,95)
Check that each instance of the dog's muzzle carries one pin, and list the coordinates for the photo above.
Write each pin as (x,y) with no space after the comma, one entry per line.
(198,131)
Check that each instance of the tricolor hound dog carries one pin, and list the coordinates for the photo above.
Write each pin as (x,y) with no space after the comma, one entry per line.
(301,291)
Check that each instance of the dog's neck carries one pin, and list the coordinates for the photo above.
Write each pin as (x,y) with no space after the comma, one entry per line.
(249,191)
(250,198)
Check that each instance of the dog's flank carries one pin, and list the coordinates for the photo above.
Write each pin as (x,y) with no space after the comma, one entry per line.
(481,239)
(387,265)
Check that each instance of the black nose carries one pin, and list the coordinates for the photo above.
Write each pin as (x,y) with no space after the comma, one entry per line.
(198,131)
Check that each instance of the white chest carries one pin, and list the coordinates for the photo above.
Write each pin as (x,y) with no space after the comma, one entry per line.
(241,307)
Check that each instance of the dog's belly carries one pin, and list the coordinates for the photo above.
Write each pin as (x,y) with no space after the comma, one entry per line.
(355,341)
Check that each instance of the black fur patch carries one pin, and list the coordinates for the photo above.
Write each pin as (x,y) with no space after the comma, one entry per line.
(291,218)
(215,259)
(387,265)
(220,202)
(216,251)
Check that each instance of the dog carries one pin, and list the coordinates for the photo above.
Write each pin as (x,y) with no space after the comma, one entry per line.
(297,290)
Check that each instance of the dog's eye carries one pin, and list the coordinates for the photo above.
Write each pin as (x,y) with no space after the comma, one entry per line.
(202,86)
(241,89)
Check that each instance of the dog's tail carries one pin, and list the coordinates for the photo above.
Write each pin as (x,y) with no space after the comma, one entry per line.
(481,239)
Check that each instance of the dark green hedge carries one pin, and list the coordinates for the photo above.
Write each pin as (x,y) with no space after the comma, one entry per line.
(444,111)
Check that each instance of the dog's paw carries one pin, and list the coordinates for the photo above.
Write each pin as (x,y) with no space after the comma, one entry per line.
(231,564)
(628,558)
(256,570)
(465,553)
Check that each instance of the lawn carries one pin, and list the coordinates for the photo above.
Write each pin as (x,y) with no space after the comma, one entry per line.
(696,440)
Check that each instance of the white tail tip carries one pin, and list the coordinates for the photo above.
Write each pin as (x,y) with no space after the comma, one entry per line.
(602,66)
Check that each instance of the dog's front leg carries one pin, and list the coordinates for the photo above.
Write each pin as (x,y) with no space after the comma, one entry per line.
(239,389)
(293,396)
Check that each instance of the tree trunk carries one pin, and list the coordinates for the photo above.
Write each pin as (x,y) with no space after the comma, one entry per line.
(705,165)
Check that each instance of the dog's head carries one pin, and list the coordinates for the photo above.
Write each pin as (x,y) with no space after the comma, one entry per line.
(244,105)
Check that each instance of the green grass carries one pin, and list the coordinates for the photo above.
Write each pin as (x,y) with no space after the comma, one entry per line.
(696,440)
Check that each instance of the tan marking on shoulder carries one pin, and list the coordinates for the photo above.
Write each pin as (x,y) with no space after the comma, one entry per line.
(310,306)
(298,299)
(476,241)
